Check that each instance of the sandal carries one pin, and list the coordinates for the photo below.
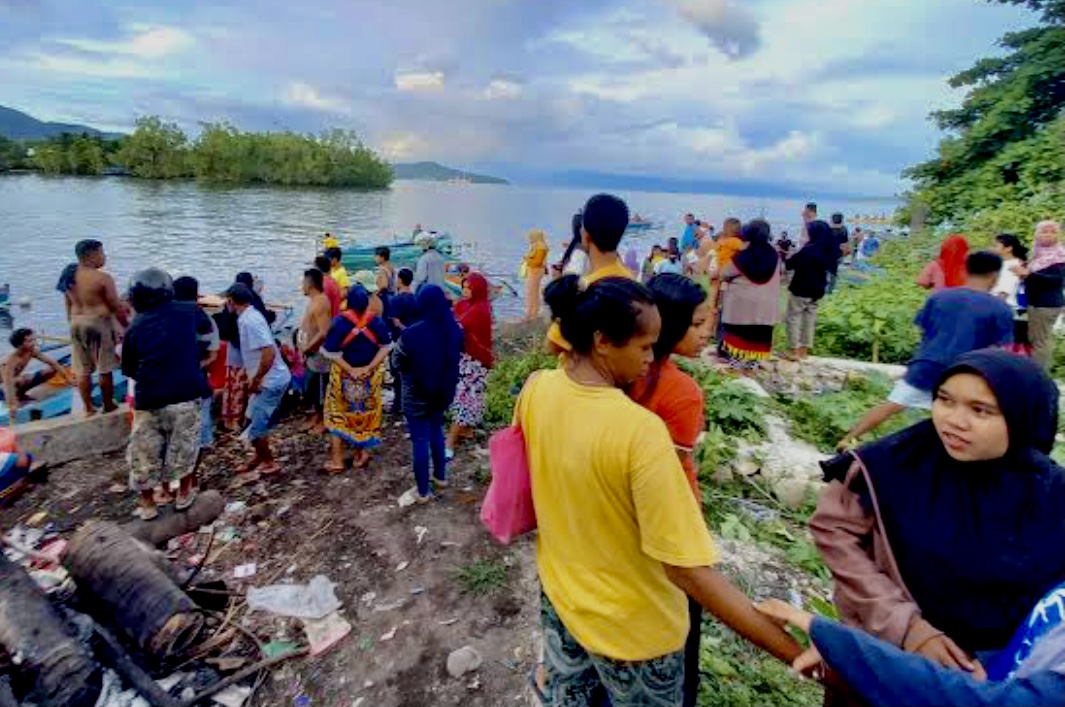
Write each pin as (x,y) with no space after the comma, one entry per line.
(440,483)
(146,514)
(185,502)
(534,683)
(331,468)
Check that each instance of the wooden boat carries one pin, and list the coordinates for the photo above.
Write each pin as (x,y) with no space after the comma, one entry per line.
(640,226)
(403,253)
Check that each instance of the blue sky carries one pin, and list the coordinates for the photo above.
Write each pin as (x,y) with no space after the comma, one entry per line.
(830,94)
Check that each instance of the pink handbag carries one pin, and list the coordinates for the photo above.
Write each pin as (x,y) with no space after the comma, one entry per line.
(508,510)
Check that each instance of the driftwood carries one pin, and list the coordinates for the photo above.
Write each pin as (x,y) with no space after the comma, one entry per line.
(123,583)
(131,672)
(170,524)
(32,631)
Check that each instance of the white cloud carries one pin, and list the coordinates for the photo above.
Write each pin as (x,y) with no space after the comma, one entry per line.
(147,43)
(419,80)
(403,145)
(304,95)
(502,89)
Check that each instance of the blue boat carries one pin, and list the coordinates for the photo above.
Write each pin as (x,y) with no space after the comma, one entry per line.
(51,401)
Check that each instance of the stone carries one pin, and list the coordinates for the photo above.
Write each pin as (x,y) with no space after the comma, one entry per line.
(747,467)
(791,491)
(751,386)
(462,661)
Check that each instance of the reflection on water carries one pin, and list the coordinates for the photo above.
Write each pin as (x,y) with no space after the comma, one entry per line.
(213,233)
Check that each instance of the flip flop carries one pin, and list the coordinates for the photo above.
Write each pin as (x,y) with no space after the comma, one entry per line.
(536,686)
(331,468)
(183,504)
(269,469)
(146,514)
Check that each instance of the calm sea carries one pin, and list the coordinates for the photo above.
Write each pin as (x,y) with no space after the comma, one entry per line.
(213,233)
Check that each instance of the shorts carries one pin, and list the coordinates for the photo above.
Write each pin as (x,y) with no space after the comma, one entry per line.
(908,396)
(26,383)
(164,444)
(262,411)
(92,344)
(576,677)
(314,388)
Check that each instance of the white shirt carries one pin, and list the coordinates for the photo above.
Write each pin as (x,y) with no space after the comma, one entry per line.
(1008,282)
(255,336)
(578,263)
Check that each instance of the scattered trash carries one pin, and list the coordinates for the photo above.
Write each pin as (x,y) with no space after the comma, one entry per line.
(36,518)
(462,661)
(273,649)
(358,702)
(227,665)
(313,600)
(282,511)
(291,568)
(194,560)
(368,683)
(236,506)
(365,644)
(450,543)
(419,533)
(112,694)
(324,633)
(117,488)
(170,681)
(448,622)
(402,566)
(474,684)
(418,590)
(245,570)
(756,510)
(390,606)
(232,696)
(301,701)
(368,597)
(227,534)
(408,498)
(390,635)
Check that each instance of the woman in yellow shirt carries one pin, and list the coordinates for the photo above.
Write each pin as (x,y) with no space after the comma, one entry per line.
(621,538)
(533,268)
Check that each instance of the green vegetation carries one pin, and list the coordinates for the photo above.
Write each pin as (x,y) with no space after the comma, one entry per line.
(220,154)
(12,154)
(823,420)
(505,381)
(483,577)
(1002,164)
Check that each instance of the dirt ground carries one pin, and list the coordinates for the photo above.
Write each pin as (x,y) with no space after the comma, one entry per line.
(350,528)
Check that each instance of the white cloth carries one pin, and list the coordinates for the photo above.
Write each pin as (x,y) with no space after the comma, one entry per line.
(1008,282)
(255,337)
(578,263)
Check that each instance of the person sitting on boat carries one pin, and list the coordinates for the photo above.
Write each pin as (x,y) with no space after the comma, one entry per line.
(337,271)
(330,241)
(93,307)
(16,384)
(431,265)
(386,271)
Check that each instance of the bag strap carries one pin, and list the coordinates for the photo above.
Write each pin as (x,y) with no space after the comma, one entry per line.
(360,325)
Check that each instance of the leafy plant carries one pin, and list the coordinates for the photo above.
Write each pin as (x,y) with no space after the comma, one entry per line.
(482,577)
(505,381)
(730,407)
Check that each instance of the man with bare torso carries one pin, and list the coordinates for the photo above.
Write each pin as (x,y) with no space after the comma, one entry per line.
(93,307)
(316,321)
(16,384)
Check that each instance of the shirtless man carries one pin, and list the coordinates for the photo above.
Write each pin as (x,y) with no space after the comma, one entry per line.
(313,328)
(15,384)
(92,307)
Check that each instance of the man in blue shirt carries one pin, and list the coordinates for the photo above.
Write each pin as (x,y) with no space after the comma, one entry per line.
(687,241)
(953,321)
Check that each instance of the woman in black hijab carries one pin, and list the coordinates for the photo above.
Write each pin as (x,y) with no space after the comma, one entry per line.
(940,537)
(810,266)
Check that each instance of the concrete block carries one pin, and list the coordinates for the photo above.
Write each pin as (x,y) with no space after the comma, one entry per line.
(63,439)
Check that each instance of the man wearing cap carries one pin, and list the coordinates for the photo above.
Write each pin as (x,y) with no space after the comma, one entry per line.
(431,265)
(268,377)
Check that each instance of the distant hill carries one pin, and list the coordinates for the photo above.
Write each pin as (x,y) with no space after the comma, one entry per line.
(436,172)
(16,125)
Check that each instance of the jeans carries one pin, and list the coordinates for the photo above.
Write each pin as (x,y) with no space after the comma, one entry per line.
(800,321)
(427,437)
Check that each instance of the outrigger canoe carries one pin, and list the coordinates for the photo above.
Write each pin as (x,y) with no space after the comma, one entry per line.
(403,254)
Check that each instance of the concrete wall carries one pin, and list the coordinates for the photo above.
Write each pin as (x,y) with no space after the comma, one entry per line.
(63,439)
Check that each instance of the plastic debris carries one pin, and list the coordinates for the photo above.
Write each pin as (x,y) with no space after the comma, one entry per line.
(112,694)
(462,661)
(243,571)
(228,534)
(402,566)
(448,622)
(301,700)
(324,633)
(313,600)
(233,696)
(368,597)
(419,533)
(236,506)
(227,665)
(450,543)
(417,590)
(390,606)
(117,488)
(274,649)
(36,517)
(390,635)
(365,643)
(407,498)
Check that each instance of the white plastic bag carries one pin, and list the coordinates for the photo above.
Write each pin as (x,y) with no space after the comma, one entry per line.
(313,600)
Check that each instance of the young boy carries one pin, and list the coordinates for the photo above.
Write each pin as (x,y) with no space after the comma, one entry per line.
(953,321)
(15,384)
(337,271)
(386,271)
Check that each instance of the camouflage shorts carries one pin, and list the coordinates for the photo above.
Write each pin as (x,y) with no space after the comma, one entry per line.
(163,444)
(577,678)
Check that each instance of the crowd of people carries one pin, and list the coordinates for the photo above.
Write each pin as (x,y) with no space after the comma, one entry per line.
(946,541)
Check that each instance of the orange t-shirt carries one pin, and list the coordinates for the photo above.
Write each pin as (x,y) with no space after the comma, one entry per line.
(678,400)
(727,249)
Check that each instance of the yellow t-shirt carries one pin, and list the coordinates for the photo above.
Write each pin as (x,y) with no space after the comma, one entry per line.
(615,269)
(340,276)
(612,504)
(727,250)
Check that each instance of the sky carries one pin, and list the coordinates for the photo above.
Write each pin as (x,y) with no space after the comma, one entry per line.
(820,94)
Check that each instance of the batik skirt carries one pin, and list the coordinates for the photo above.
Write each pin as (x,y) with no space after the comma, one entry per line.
(353,408)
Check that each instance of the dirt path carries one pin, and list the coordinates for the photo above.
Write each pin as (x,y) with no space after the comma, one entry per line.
(351,529)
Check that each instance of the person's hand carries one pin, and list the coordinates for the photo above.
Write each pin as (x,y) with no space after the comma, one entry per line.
(69,377)
(360,372)
(947,653)
(784,613)
(845,444)
(255,386)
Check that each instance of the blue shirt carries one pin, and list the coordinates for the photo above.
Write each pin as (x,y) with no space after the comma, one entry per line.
(956,321)
(687,241)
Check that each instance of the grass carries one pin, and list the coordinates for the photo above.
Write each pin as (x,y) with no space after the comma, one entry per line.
(483,577)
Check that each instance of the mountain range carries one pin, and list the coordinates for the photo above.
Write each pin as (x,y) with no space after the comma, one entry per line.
(16,125)
(436,172)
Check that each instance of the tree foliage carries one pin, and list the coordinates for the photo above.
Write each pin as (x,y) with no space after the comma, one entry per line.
(12,154)
(67,153)
(1004,148)
(155,150)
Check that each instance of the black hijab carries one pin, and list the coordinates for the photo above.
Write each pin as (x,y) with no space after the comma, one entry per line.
(977,543)
(759,261)
(820,245)
(434,346)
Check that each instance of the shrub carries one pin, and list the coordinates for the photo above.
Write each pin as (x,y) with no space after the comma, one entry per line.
(505,381)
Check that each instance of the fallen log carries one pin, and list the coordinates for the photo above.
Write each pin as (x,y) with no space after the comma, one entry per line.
(121,581)
(170,524)
(37,637)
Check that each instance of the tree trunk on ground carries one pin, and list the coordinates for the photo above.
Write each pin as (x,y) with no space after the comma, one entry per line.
(170,524)
(30,629)
(118,577)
